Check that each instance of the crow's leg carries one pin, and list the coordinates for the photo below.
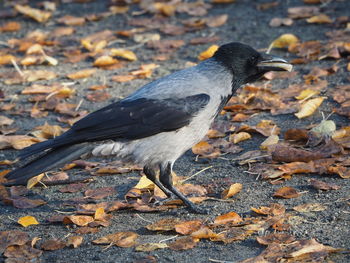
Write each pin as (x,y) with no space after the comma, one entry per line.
(167,180)
(152,175)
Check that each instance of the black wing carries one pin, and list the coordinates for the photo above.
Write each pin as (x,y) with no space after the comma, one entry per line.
(128,119)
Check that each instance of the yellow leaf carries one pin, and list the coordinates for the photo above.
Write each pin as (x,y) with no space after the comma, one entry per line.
(36,14)
(144,183)
(99,213)
(306,94)
(84,73)
(6,59)
(105,61)
(208,53)
(238,137)
(27,221)
(271,140)
(319,19)
(309,107)
(126,54)
(34,180)
(284,41)
(232,190)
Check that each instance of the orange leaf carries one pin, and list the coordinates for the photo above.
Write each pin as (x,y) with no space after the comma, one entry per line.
(286,192)
(85,73)
(188,227)
(208,53)
(230,217)
(27,221)
(231,191)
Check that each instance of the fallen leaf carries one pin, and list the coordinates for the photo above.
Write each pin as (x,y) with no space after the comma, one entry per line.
(73,188)
(104,61)
(166,224)
(123,53)
(5,120)
(216,21)
(78,220)
(239,137)
(208,53)
(271,140)
(230,217)
(6,59)
(10,27)
(52,244)
(123,78)
(100,193)
(188,227)
(276,22)
(202,148)
(85,73)
(306,94)
(25,203)
(74,241)
(27,221)
(183,243)
(120,239)
(310,207)
(204,232)
(71,20)
(12,238)
(320,185)
(34,180)
(23,253)
(144,183)
(286,192)
(309,107)
(231,191)
(17,142)
(37,14)
(319,19)
(303,11)
(280,238)
(147,247)
(284,41)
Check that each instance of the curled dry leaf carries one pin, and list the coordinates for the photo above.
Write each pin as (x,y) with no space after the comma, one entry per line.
(123,78)
(310,207)
(74,241)
(5,121)
(319,19)
(100,193)
(34,180)
(280,238)
(37,14)
(27,221)
(10,27)
(231,217)
(144,183)
(71,20)
(23,253)
(216,21)
(202,148)
(208,53)
(84,73)
(271,140)
(120,239)
(17,142)
(239,137)
(306,94)
(309,107)
(188,227)
(286,192)
(123,53)
(276,22)
(78,220)
(284,41)
(147,247)
(104,61)
(231,191)
(183,243)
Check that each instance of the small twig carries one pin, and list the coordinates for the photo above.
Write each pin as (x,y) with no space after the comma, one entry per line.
(63,212)
(14,63)
(220,261)
(252,158)
(167,239)
(144,219)
(107,247)
(197,173)
(78,106)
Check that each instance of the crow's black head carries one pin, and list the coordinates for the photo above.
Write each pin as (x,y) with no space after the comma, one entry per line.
(247,64)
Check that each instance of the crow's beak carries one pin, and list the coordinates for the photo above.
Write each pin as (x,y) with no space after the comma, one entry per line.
(271,63)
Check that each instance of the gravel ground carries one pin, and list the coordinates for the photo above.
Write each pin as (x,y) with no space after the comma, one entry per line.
(245,24)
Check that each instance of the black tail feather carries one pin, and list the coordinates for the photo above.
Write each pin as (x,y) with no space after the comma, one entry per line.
(52,159)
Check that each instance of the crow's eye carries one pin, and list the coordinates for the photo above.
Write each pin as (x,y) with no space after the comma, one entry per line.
(253,60)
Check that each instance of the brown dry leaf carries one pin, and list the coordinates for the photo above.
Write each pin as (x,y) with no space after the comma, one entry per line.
(286,192)
(37,14)
(71,20)
(5,120)
(34,75)
(22,254)
(280,238)
(123,53)
(17,142)
(208,53)
(214,134)
(62,31)
(204,232)
(202,148)
(52,244)
(73,188)
(79,220)
(147,247)
(34,180)
(104,61)
(12,238)
(166,224)
(74,241)
(145,70)
(100,214)
(230,217)
(320,185)
(48,131)
(24,202)
(231,191)
(188,227)
(27,221)
(297,167)
(239,137)
(183,243)
(123,78)
(100,193)
(10,27)
(319,19)
(216,21)
(309,107)
(120,239)
(310,207)
(296,135)
(98,96)
(85,73)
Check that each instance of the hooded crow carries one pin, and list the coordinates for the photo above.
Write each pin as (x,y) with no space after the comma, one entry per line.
(155,125)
